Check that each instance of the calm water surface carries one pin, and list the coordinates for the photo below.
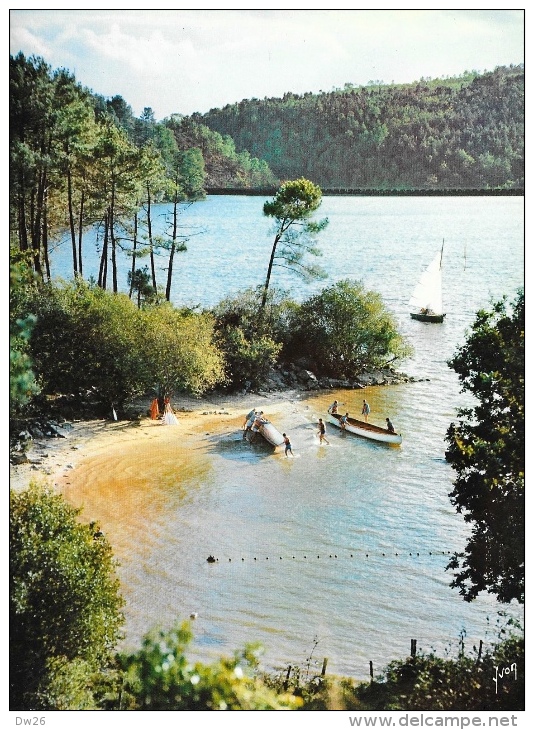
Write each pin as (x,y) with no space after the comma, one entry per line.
(346,545)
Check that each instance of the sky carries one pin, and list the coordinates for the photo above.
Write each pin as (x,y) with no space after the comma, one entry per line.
(185,61)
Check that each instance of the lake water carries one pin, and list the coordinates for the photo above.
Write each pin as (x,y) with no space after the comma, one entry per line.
(341,551)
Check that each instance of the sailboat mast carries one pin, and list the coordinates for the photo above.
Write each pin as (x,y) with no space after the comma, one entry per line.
(441,259)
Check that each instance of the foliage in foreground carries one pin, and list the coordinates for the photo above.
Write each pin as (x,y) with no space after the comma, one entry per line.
(487,451)
(160,677)
(65,606)
(22,382)
(493,681)
(422,682)
(65,618)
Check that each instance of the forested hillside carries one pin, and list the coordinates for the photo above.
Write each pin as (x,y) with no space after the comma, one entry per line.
(223,165)
(465,132)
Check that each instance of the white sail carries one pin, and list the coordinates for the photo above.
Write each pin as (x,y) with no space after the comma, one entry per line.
(427,295)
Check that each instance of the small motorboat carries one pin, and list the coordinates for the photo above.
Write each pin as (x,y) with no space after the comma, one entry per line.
(367,430)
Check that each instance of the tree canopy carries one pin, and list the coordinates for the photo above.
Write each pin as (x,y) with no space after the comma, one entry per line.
(487,450)
(80,161)
(295,231)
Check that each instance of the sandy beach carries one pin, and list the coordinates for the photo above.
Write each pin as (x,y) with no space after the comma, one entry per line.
(53,460)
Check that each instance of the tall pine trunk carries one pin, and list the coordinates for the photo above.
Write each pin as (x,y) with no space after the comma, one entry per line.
(102,273)
(134,254)
(113,239)
(37,220)
(269,271)
(150,240)
(46,256)
(80,232)
(23,232)
(114,260)
(173,249)
(71,225)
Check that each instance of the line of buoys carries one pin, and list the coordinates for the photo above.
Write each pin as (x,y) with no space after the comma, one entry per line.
(212,559)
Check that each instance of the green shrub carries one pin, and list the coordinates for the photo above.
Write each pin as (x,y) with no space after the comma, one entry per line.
(22,381)
(160,677)
(429,682)
(252,339)
(345,330)
(248,361)
(88,340)
(177,350)
(65,606)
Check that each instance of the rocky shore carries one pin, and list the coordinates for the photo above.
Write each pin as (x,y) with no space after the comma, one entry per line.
(300,376)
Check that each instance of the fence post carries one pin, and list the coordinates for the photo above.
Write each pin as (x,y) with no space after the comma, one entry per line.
(479,652)
(413,648)
(323,670)
(286,683)
(371,671)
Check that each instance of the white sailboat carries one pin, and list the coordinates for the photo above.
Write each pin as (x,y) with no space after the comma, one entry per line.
(427,299)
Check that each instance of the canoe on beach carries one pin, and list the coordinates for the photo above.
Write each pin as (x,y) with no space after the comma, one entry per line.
(367,430)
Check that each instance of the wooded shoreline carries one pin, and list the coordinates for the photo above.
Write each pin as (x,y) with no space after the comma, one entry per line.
(377,192)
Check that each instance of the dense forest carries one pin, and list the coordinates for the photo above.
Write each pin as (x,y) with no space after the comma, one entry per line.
(459,133)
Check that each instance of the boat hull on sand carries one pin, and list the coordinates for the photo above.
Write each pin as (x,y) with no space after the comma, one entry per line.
(269,433)
(366,430)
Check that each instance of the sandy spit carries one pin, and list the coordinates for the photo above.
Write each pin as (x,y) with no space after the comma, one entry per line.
(51,459)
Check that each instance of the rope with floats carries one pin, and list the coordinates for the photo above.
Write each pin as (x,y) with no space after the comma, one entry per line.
(335,556)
